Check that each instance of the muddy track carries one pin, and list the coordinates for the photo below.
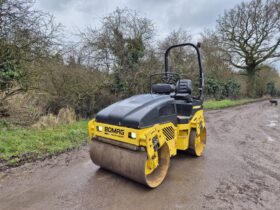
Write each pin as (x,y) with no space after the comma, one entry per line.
(239,170)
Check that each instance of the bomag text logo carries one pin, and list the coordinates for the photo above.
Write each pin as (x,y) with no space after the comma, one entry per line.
(114,131)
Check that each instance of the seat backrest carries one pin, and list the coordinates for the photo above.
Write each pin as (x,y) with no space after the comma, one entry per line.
(163,88)
(184,86)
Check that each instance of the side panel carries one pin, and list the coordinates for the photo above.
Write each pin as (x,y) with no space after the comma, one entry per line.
(168,133)
(182,142)
(196,123)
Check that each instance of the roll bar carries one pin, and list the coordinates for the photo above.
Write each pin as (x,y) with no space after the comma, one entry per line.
(201,73)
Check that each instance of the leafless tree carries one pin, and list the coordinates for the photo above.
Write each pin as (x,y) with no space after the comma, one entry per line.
(29,30)
(250,35)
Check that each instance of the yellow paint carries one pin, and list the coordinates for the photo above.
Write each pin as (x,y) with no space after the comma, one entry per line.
(182,141)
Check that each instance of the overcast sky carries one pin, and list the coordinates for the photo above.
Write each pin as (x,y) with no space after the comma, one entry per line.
(167,15)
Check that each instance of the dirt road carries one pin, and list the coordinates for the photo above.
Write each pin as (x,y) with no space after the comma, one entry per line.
(239,170)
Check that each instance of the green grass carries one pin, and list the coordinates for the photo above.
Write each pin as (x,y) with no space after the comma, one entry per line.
(24,144)
(213,104)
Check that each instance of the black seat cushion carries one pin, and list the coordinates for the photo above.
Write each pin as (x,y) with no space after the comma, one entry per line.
(163,88)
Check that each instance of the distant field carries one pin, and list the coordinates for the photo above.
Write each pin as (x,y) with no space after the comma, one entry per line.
(212,104)
(19,145)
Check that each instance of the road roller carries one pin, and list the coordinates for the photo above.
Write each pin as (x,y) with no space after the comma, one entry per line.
(136,137)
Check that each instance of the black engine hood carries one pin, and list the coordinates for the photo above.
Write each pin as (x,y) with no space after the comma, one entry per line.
(139,111)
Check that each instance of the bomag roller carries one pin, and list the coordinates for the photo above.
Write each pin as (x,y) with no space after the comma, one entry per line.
(136,137)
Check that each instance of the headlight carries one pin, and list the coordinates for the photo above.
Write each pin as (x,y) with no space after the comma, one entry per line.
(132,135)
(99,128)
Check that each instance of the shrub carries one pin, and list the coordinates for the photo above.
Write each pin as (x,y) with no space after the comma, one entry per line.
(232,88)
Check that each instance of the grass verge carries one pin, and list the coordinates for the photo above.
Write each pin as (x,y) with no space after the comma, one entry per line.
(19,145)
(213,104)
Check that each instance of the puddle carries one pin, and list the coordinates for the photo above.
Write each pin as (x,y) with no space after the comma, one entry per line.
(268,137)
(272,123)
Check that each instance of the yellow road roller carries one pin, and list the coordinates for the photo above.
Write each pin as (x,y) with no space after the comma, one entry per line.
(136,137)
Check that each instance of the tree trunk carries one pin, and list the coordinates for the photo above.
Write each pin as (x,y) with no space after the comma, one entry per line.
(251,86)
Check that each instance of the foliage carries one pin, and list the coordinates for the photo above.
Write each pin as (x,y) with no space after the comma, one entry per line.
(214,88)
(9,71)
(114,60)
(267,81)
(213,57)
(181,60)
(4,124)
(27,36)
(232,88)
(271,89)
(118,47)
(219,90)
(75,86)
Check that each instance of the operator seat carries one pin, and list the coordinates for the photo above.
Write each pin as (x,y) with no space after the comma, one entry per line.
(184,90)
(183,100)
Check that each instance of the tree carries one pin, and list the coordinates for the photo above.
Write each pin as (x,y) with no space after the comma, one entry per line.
(213,58)
(180,58)
(250,35)
(118,47)
(27,36)
(267,81)
(9,71)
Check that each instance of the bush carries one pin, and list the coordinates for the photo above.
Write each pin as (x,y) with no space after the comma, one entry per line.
(74,87)
(4,124)
(232,88)
(215,89)
(219,90)
(271,89)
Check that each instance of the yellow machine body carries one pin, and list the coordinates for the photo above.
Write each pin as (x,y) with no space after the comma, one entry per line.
(143,140)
